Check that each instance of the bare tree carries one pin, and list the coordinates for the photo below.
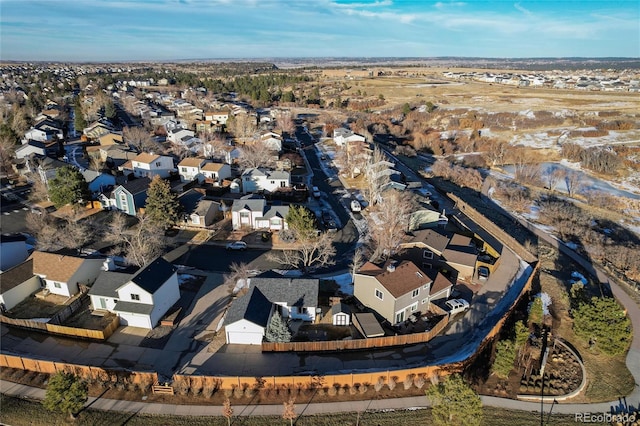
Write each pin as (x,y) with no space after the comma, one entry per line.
(7,150)
(238,272)
(43,227)
(75,235)
(572,180)
(257,155)
(308,252)
(227,411)
(284,121)
(289,412)
(554,176)
(243,125)
(141,243)
(388,223)
(39,191)
(377,174)
(139,138)
(212,144)
(358,259)
(497,152)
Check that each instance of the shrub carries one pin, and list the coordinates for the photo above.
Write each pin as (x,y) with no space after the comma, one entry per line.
(408,382)
(332,391)
(392,383)
(379,384)
(419,381)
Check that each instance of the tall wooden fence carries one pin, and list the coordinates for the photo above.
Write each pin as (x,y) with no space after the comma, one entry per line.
(68,310)
(84,333)
(371,343)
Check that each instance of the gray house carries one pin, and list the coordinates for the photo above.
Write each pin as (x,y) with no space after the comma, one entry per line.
(128,197)
(397,292)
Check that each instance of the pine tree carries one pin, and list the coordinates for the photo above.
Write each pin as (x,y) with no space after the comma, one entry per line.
(66,393)
(604,322)
(505,358)
(162,207)
(454,402)
(68,187)
(277,330)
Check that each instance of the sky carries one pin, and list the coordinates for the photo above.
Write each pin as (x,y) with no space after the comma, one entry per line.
(147,30)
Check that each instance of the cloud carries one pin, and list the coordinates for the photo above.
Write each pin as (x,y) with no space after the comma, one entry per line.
(379,3)
(523,10)
(441,5)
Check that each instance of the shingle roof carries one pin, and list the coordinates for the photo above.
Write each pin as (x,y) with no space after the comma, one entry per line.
(252,204)
(212,167)
(292,291)
(189,200)
(55,267)
(108,282)
(137,186)
(204,205)
(431,239)
(405,278)
(145,157)
(191,162)
(133,307)
(276,211)
(152,276)
(253,307)
(15,276)
(340,308)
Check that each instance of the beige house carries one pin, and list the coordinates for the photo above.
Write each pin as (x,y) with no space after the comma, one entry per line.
(397,292)
(63,274)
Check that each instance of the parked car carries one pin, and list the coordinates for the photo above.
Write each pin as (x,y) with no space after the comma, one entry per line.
(457,305)
(237,245)
(315,191)
(483,272)
(355,206)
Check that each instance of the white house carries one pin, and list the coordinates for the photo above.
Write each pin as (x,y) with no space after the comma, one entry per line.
(17,283)
(253,213)
(189,169)
(140,299)
(248,317)
(150,165)
(272,141)
(216,171)
(260,179)
(62,274)
(219,117)
(230,154)
(342,136)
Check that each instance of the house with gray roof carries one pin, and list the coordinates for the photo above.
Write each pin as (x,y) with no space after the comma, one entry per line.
(139,299)
(129,197)
(252,212)
(247,318)
(198,211)
(260,179)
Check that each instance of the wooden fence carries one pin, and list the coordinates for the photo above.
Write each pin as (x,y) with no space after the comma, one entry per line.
(84,333)
(68,310)
(371,343)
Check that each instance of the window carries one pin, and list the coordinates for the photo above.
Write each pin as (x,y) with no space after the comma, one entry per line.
(282,184)
(135,296)
(195,220)
(414,307)
(57,285)
(427,266)
(379,294)
(184,170)
(415,293)
(273,182)
(427,254)
(399,316)
(157,164)
(424,301)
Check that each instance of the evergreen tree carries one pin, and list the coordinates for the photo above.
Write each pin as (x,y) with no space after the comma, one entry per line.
(162,206)
(301,222)
(110,110)
(505,358)
(68,187)
(66,393)
(277,330)
(454,402)
(604,322)
(536,314)
(79,121)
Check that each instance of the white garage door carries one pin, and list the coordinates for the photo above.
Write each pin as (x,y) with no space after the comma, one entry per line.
(244,338)
(134,320)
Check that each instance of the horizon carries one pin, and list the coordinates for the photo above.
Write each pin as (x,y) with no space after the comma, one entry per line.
(167,30)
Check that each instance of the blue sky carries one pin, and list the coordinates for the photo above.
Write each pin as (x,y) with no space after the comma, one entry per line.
(113,30)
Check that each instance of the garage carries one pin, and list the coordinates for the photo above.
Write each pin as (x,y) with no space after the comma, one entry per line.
(134,320)
(244,332)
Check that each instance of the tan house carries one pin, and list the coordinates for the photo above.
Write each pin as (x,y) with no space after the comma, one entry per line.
(398,291)
(63,274)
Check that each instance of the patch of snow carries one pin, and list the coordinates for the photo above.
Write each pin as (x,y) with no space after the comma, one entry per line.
(240,284)
(571,245)
(579,277)
(184,278)
(344,281)
(527,113)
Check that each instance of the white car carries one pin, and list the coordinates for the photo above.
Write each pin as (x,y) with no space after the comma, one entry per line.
(457,305)
(237,245)
(355,206)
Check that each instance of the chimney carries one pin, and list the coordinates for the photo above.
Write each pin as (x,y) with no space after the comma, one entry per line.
(391,267)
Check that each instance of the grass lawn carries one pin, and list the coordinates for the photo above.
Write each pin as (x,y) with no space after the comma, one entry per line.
(19,412)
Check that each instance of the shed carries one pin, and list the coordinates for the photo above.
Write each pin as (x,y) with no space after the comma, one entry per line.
(340,314)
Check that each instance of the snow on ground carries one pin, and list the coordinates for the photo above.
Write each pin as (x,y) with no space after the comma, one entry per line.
(185,278)
(344,281)
(544,140)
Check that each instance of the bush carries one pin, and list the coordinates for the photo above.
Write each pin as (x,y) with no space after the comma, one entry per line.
(66,393)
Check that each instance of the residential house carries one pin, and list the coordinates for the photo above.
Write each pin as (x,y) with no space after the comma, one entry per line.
(62,274)
(150,165)
(219,117)
(216,171)
(433,250)
(98,181)
(47,168)
(342,136)
(140,299)
(13,250)
(230,154)
(39,135)
(16,284)
(129,197)
(247,318)
(260,179)
(271,140)
(99,128)
(253,213)
(38,149)
(110,139)
(190,169)
(176,135)
(398,291)
(198,211)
